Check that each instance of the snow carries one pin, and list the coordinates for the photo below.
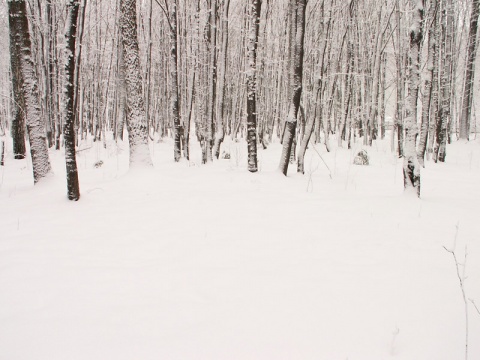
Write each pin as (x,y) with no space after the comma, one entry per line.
(190,261)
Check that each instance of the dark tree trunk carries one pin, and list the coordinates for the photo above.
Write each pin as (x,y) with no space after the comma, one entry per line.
(174,98)
(254,16)
(298,10)
(73,189)
(18,120)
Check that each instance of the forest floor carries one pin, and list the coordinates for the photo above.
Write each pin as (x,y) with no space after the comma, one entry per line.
(190,261)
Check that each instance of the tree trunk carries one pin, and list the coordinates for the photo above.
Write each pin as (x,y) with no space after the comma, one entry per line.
(470,72)
(73,189)
(298,13)
(411,167)
(35,123)
(136,119)
(18,119)
(254,17)
(220,123)
(174,98)
(427,87)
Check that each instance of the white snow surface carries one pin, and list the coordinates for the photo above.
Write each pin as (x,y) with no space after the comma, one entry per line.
(190,261)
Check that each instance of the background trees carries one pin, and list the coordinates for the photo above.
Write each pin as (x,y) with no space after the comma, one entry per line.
(192,68)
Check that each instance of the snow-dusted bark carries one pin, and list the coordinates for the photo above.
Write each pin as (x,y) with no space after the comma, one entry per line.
(444,112)
(254,7)
(298,9)
(73,188)
(411,166)
(220,124)
(18,120)
(35,123)
(136,119)
(121,92)
(470,72)
(427,82)
(174,97)
(212,80)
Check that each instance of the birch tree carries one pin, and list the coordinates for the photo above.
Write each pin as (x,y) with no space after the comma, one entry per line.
(19,29)
(411,166)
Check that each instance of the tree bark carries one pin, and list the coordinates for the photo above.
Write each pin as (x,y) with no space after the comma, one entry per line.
(73,188)
(470,72)
(427,85)
(137,124)
(254,17)
(411,167)
(35,123)
(298,12)
(18,119)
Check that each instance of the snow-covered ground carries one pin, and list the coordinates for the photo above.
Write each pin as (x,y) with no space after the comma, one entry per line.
(190,261)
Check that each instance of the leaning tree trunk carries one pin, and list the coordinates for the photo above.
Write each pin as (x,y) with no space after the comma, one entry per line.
(470,72)
(298,10)
(136,119)
(411,166)
(254,17)
(73,189)
(35,124)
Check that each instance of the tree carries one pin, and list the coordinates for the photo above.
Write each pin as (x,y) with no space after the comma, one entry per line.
(73,188)
(298,15)
(18,119)
(174,96)
(427,84)
(136,119)
(254,19)
(470,72)
(20,34)
(411,166)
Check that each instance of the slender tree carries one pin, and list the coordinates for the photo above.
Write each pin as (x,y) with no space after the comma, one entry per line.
(298,14)
(411,166)
(18,119)
(253,29)
(73,188)
(19,29)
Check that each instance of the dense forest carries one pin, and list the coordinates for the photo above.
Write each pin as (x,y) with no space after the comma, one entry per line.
(293,71)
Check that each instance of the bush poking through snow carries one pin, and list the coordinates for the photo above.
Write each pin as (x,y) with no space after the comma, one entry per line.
(98,164)
(225,155)
(361,158)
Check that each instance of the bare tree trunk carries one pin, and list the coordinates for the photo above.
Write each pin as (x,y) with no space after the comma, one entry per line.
(136,119)
(411,167)
(254,19)
(35,124)
(212,81)
(298,10)
(220,127)
(427,87)
(18,119)
(73,189)
(470,72)
(174,98)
